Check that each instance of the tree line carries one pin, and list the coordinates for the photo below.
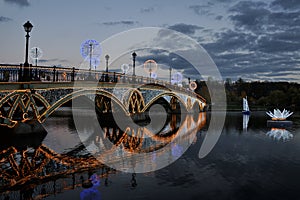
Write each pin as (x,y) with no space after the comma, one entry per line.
(261,95)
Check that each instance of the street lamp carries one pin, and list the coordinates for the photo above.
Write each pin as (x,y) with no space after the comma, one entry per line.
(106,58)
(106,75)
(26,76)
(91,54)
(133,59)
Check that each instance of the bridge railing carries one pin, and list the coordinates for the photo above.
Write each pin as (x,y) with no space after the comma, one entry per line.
(14,73)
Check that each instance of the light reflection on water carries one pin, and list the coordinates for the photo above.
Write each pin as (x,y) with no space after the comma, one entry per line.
(245,164)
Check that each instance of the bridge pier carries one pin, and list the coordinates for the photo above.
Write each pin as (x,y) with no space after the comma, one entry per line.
(20,139)
(22,128)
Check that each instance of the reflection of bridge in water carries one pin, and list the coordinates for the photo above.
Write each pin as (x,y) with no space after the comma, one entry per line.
(26,102)
(39,171)
(34,172)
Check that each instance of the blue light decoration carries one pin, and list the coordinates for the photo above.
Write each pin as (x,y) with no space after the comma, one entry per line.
(154,75)
(91,50)
(95,62)
(86,46)
(92,193)
(177,78)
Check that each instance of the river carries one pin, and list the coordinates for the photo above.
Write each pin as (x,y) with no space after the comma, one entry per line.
(250,161)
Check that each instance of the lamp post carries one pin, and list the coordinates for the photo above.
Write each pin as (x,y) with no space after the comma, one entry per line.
(133,65)
(106,58)
(91,54)
(26,72)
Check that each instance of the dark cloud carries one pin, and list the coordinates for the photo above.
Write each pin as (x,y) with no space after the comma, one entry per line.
(279,42)
(124,22)
(219,17)
(287,4)
(250,15)
(201,9)
(242,54)
(22,3)
(185,28)
(54,60)
(283,20)
(263,42)
(224,1)
(5,19)
(231,40)
(147,10)
(258,18)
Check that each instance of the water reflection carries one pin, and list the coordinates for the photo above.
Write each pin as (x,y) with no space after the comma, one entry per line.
(280,133)
(245,121)
(91,192)
(37,171)
(143,149)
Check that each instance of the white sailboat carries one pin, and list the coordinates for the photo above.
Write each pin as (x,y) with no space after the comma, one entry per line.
(246,109)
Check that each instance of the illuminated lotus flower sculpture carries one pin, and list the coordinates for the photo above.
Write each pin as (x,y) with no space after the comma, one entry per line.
(278,115)
(278,133)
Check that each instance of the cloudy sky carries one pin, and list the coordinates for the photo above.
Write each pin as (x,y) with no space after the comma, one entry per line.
(254,40)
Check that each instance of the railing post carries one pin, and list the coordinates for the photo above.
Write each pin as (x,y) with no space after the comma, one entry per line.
(30,71)
(36,73)
(20,73)
(73,74)
(54,70)
(106,77)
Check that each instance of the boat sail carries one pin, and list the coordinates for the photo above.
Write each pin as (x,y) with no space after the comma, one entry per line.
(246,109)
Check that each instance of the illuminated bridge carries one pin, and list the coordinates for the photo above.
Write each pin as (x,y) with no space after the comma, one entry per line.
(52,87)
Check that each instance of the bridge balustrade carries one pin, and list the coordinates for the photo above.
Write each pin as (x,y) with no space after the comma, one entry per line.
(14,73)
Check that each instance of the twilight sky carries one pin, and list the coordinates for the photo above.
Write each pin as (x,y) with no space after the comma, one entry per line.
(254,40)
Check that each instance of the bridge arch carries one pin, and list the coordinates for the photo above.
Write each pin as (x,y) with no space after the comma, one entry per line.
(76,94)
(170,94)
(22,105)
(134,101)
(197,106)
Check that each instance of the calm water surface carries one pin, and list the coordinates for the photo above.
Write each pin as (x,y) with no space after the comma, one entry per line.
(246,163)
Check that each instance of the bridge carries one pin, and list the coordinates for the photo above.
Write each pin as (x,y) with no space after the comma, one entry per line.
(52,87)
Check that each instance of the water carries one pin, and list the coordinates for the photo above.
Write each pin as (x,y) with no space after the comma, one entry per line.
(246,163)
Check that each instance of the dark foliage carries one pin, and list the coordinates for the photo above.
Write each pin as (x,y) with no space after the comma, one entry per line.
(260,95)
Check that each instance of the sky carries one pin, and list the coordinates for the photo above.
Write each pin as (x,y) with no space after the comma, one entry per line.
(253,40)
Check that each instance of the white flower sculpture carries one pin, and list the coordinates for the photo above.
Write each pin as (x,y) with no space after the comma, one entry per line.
(278,115)
(278,134)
